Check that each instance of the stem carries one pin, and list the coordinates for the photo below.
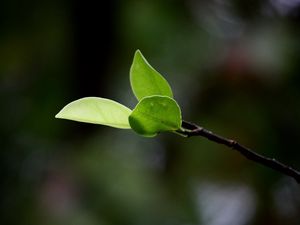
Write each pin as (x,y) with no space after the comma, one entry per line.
(191,129)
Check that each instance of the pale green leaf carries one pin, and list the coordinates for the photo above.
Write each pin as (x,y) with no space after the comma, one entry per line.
(98,111)
(145,80)
(154,114)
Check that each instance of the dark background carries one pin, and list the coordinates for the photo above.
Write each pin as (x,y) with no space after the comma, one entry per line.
(234,68)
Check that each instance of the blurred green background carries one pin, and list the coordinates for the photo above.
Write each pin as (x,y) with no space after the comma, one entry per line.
(234,67)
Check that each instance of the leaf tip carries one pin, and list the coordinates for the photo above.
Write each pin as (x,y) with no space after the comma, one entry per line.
(58,115)
(138,51)
(138,55)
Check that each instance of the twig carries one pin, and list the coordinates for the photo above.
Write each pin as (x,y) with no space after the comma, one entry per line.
(190,129)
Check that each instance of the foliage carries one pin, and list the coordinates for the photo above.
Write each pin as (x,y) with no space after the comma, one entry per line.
(155,114)
(97,110)
(156,111)
(145,80)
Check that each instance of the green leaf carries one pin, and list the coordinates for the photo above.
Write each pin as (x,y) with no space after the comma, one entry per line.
(98,111)
(145,80)
(154,114)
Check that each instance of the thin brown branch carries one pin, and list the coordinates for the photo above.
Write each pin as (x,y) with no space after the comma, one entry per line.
(191,129)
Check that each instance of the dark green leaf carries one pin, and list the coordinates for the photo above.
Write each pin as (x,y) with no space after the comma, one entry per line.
(154,114)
